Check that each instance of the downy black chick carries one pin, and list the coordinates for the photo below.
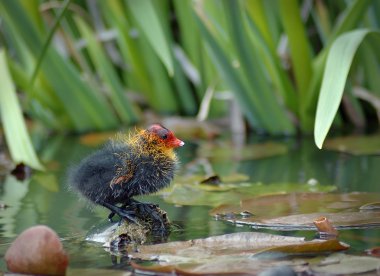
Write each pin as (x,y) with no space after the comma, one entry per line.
(141,164)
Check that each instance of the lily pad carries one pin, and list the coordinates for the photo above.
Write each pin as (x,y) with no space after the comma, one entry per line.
(230,253)
(299,210)
(357,145)
(194,193)
(346,264)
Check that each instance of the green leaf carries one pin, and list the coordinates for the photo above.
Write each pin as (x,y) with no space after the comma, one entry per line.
(299,45)
(108,74)
(245,77)
(348,20)
(16,134)
(338,64)
(270,112)
(86,107)
(148,20)
(48,40)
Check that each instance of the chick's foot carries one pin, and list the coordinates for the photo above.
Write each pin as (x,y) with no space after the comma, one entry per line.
(123,213)
(150,211)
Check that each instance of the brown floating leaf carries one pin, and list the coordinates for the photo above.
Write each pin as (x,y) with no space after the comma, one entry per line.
(371,206)
(341,264)
(154,268)
(96,271)
(325,227)
(233,254)
(299,210)
(317,246)
(229,244)
(223,267)
(340,220)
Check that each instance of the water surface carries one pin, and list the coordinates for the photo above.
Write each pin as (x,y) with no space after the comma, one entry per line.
(44,198)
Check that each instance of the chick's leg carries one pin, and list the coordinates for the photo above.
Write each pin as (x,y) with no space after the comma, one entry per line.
(122,212)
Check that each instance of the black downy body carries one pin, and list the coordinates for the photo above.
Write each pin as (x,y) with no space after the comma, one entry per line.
(113,175)
(93,177)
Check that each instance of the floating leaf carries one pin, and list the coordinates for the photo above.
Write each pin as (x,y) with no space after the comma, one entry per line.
(344,220)
(345,264)
(230,253)
(299,210)
(357,145)
(191,193)
(371,206)
(91,271)
(148,18)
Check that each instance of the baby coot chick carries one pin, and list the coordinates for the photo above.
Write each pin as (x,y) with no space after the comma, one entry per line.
(138,165)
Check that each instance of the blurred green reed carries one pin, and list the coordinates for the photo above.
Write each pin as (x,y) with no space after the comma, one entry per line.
(80,66)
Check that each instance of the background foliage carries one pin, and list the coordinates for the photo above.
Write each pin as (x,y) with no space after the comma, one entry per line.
(96,65)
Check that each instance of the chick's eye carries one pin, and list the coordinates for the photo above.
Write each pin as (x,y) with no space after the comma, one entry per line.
(165,136)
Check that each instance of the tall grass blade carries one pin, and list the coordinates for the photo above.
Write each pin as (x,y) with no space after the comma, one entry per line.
(299,49)
(86,107)
(338,64)
(62,12)
(230,76)
(281,81)
(117,93)
(349,19)
(16,134)
(270,112)
(145,14)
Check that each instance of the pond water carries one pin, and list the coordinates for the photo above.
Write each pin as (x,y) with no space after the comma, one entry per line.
(44,199)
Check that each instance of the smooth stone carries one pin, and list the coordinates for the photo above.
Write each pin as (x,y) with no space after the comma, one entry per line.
(37,250)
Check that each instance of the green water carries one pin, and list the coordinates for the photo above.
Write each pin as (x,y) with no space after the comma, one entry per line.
(44,199)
